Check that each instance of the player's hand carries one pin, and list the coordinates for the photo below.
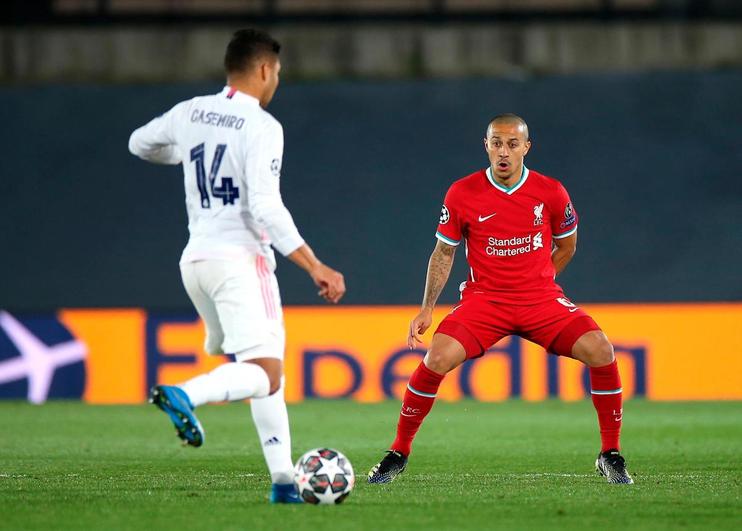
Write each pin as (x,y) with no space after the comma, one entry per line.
(418,326)
(331,283)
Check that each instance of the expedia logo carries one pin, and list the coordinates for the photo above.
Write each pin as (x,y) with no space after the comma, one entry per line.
(40,358)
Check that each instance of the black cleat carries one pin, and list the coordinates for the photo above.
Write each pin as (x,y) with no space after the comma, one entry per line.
(612,465)
(388,468)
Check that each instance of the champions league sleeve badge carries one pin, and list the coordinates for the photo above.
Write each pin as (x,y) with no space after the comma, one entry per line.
(445,215)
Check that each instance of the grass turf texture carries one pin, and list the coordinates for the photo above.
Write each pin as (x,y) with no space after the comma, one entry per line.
(509,465)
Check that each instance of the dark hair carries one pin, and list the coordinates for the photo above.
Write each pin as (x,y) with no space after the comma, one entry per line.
(246,46)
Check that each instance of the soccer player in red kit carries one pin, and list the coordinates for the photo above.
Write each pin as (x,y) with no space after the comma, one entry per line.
(519,230)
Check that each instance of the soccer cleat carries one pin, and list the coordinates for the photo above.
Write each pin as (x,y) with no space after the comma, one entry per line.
(285,493)
(173,401)
(612,465)
(388,468)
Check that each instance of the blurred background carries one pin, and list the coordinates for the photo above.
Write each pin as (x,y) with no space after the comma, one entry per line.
(635,105)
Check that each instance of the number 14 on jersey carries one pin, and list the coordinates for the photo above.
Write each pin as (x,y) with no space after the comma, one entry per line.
(227,192)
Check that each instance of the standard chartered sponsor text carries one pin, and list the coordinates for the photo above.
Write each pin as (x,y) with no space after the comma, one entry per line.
(507,247)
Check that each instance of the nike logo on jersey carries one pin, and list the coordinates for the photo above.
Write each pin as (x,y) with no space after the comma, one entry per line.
(485,218)
(573,310)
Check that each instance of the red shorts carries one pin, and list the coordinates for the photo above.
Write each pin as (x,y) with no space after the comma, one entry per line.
(478,323)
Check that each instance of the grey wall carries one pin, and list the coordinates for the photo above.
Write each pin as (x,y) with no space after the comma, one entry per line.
(488,47)
(651,160)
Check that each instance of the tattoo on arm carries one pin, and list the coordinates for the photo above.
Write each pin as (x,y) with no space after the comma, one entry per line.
(439,267)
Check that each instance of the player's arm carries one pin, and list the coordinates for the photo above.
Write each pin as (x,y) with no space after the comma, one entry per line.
(331,283)
(263,172)
(563,251)
(563,228)
(439,268)
(155,141)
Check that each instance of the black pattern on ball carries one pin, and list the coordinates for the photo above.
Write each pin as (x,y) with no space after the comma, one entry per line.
(326,453)
(339,482)
(312,464)
(341,498)
(320,482)
(309,497)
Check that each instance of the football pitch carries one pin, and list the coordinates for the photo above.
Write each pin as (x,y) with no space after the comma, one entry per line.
(511,465)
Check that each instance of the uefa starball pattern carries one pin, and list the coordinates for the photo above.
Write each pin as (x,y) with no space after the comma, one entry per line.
(324,476)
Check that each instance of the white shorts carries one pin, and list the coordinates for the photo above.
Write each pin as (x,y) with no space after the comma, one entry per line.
(240,305)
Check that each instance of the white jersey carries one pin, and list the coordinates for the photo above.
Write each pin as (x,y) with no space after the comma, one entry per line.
(231,151)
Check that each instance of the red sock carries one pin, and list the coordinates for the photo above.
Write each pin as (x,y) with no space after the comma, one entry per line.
(418,400)
(605,387)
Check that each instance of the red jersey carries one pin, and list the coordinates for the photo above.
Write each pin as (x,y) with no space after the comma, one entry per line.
(508,234)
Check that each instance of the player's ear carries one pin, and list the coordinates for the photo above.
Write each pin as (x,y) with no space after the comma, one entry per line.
(528,148)
(264,71)
(485,143)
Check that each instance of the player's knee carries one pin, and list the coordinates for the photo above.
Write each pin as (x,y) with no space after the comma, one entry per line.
(439,361)
(602,353)
(273,370)
(274,373)
(275,384)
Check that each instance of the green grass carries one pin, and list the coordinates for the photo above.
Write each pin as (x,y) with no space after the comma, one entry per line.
(511,465)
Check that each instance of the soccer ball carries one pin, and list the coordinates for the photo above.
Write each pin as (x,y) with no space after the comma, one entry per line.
(324,476)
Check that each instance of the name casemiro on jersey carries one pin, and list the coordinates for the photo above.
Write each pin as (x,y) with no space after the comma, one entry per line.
(216,119)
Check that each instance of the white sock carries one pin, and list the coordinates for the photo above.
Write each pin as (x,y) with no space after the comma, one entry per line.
(231,381)
(272,422)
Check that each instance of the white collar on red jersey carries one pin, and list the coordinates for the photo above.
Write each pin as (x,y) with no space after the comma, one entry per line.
(515,187)
(235,95)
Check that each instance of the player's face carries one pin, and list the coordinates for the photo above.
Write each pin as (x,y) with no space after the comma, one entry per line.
(507,145)
(270,74)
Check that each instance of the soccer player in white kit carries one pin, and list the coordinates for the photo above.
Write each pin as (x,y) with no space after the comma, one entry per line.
(231,151)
